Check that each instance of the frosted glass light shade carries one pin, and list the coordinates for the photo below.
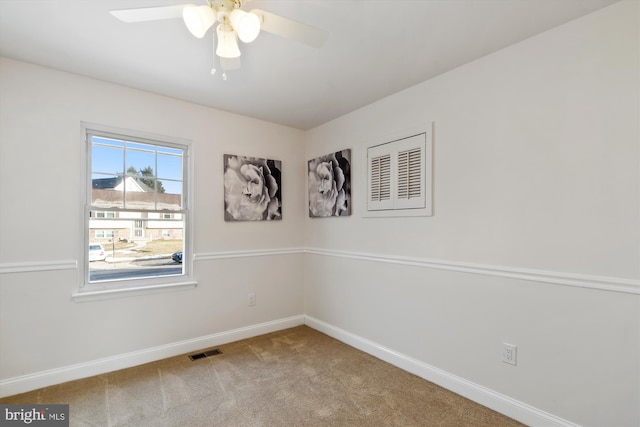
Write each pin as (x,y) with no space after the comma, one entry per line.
(247,25)
(198,19)
(227,42)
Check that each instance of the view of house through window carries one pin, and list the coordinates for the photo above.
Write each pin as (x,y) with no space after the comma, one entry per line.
(136,208)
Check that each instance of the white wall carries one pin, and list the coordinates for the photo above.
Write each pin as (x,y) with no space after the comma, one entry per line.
(536,183)
(41,327)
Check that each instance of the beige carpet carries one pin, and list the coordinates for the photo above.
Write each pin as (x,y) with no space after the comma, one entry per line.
(295,377)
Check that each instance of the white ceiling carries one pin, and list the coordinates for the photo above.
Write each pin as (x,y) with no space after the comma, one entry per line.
(375,48)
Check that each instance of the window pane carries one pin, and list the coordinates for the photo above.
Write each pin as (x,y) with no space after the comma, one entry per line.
(106,191)
(171,196)
(141,159)
(140,245)
(170,167)
(107,142)
(107,159)
(171,187)
(137,198)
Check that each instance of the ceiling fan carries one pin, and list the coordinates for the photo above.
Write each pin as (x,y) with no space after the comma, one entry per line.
(234,24)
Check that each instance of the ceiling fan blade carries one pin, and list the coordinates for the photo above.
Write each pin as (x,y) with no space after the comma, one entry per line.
(286,27)
(149,13)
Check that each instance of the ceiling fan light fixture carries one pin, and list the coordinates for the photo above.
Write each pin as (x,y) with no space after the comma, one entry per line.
(198,19)
(247,25)
(227,42)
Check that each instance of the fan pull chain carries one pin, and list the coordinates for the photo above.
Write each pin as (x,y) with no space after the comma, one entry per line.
(213,60)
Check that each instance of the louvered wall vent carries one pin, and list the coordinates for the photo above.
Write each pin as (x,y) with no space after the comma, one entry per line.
(205,354)
(399,176)
(410,178)
(380,177)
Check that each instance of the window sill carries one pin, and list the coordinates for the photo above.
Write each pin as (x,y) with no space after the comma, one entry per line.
(86,296)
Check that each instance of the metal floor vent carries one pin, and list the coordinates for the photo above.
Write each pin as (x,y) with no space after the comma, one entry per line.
(207,353)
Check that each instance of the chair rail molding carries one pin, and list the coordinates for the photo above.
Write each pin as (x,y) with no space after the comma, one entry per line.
(208,256)
(30,267)
(604,283)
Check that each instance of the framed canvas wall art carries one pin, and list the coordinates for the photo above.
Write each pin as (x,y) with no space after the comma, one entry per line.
(252,189)
(330,184)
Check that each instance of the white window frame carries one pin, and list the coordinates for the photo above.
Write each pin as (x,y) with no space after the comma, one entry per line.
(390,146)
(89,291)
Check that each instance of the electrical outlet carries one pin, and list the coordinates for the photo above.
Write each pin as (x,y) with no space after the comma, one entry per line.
(509,353)
(252,299)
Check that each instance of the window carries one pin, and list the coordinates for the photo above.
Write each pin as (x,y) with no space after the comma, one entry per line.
(104,234)
(105,214)
(136,209)
(399,177)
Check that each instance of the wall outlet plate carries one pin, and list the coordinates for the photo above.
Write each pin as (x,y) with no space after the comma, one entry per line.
(509,353)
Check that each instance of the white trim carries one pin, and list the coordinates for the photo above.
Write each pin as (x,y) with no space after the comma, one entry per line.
(611,284)
(243,254)
(31,267)
(603,283)
(41,379)
(498,402)
(117,132)
(86,296)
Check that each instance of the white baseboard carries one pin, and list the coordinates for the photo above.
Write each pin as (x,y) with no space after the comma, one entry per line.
(41,379)
(498,402)
(512,408)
